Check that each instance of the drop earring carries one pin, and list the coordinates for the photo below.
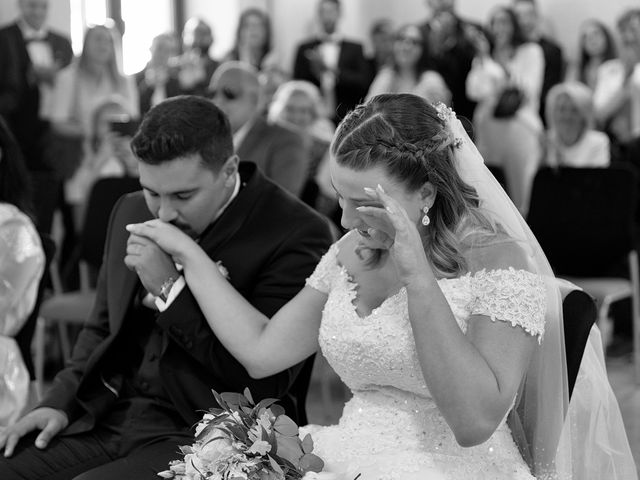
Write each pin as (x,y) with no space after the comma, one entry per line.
(425,218)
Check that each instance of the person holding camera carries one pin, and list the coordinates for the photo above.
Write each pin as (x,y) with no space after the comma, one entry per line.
(506,79)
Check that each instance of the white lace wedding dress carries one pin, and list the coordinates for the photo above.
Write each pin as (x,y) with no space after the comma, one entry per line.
(391,428)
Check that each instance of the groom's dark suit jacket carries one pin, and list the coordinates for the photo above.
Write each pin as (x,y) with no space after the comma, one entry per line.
(19,91)
(267,240)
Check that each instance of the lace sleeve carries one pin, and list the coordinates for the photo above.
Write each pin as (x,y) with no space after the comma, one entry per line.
(322,277)
(510,295)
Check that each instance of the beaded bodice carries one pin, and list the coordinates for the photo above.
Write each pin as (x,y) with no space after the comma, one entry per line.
(378,351)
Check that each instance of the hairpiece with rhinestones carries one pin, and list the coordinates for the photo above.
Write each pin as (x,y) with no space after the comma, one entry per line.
(447,115)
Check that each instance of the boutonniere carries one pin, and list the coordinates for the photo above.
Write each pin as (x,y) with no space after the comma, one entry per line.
(222,269)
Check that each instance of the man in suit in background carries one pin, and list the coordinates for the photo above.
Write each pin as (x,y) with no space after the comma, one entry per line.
(158,80)
(279,152)
(32,54)
(146,359)
(554,65)
(337,66)
(448,46)
(195,65)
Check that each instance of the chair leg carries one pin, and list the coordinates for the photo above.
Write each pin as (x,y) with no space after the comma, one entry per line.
(635,306)
(38,358)
(65,344)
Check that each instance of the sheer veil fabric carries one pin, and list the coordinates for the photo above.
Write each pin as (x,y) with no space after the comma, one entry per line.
(583,439)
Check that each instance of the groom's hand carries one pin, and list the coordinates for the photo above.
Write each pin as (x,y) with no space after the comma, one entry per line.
(150,262)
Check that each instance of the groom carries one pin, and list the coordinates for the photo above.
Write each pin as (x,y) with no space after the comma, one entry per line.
(146,360)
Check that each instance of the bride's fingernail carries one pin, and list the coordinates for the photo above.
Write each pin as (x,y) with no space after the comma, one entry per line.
(380,188)
(128,227)
(360,209)
(369,191)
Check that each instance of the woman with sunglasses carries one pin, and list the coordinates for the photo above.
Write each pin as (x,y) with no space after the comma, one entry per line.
(409,71)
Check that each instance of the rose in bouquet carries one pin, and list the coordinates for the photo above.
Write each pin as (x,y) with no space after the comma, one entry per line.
(248,441)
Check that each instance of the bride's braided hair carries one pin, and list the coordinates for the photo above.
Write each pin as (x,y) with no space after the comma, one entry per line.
(404,134)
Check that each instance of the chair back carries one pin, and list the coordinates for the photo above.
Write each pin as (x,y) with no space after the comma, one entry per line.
(25,335)
(579,314)
(103,197)
(584,218)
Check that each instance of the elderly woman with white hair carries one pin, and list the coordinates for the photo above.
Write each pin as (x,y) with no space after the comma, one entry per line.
(298,105)
(572,140)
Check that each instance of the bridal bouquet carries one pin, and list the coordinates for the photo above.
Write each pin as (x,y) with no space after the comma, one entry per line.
(244,441)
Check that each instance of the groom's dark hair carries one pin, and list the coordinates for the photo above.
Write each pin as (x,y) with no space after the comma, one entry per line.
(183,126)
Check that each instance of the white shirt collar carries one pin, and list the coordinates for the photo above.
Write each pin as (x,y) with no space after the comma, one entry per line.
(30,33)
(236,190)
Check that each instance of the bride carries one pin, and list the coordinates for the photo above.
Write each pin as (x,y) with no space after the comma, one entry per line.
(438,309)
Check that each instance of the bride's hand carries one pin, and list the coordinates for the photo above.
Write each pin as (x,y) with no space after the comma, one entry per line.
(392,226)
(168,237)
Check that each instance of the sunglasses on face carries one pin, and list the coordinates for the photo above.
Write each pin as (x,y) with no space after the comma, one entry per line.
(224,92)
(408,40)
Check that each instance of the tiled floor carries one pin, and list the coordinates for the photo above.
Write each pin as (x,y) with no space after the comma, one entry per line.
(326,398)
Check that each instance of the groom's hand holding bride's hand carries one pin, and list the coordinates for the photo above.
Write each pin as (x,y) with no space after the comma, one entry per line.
(169,238)
(392,222)
(150,262)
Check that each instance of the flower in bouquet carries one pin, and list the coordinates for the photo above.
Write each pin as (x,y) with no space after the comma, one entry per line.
(242,440)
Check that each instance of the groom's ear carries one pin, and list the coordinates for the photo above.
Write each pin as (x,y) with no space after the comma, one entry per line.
(229,170)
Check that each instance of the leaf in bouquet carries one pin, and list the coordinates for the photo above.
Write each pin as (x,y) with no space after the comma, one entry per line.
(307,444)
(275,466)
(235,400)
(185,449)
(238,431)
(277,410)
(289,448)
(310,463)
(264,403)
(220,401)
(285,426)
(247,394)
(166,474)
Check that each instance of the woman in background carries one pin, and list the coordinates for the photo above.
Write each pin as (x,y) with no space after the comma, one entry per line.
(106,154)
(88,82)
(297,104)
(409,71)
(21,267)
(253,40)
(595,48)
(512,140)
(572,140)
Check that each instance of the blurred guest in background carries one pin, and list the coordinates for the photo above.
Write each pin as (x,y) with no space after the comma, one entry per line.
(596,46)
(409,71)
(32,55)
(253,40)
(106,153)
(195,64)
(158,79)
(21,266)
(507,79)
(336,65)
(449,45)
(554,65)
(297,105)
(381,36)
(88,82)
(279,152)
(617,93)
(80,88)
(572,140)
